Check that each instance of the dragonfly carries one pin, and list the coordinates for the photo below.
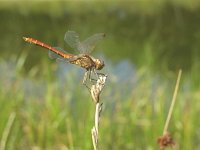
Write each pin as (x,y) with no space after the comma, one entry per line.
(84,49)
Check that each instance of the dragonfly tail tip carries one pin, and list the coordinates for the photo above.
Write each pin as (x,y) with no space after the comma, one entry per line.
(25,39)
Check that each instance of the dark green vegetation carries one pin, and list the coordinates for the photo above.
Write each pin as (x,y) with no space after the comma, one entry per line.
(57,113)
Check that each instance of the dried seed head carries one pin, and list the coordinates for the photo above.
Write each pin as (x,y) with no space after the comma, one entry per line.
(97,88)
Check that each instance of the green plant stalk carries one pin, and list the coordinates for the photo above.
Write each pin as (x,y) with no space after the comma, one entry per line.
(7,131)
(173,102)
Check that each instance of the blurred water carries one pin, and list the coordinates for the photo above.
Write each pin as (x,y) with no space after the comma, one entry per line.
(66,75)
(167,39)
(11,80)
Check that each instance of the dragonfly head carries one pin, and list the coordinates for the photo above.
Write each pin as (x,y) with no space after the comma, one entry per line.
(99,64)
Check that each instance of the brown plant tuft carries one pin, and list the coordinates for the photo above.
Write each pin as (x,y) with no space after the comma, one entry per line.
(165,141)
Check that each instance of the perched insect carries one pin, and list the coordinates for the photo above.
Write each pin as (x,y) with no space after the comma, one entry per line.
(83,59)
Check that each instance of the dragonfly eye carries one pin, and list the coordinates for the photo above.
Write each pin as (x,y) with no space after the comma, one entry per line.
(99,64)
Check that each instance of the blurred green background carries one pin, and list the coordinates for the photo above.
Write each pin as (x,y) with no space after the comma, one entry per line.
(43,104)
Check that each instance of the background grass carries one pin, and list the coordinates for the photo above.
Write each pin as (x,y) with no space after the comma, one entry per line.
(62,117)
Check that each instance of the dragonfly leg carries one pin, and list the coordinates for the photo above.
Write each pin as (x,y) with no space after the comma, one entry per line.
(92,79)
(89,76)
(87,87)
(85,77)
(101,74)
(97,74)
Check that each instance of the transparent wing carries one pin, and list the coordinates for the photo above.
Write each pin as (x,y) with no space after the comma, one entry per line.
(72,39)
(88,45)
(53,55)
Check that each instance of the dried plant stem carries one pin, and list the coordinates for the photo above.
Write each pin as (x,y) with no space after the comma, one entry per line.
(7,131)
(95,93)
(172,103)
(95,129)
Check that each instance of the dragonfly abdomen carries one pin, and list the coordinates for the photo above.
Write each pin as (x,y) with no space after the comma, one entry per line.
(41,44)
